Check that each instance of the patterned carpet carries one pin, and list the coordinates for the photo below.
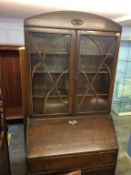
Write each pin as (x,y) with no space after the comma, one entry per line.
(17,151)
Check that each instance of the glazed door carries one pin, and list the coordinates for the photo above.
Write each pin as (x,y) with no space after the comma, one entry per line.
(94,72)
(51,54)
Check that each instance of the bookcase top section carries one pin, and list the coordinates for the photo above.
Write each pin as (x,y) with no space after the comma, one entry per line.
(73,20)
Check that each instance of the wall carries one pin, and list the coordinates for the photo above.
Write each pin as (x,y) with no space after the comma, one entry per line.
(11,32)
(126,33)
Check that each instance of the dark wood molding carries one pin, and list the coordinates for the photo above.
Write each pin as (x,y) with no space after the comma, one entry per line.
(11,47)
(10,70)
(63,19)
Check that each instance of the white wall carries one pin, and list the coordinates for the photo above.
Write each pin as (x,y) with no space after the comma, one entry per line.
(126,33)
(11,32)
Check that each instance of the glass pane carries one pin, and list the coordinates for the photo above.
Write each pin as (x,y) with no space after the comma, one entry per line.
(125,107)
(124,50)
(94,73)
(122,66)
(50,73)
(129,54)
(117,98)
(122,91)
(120,76)
(116,106)
(128,71)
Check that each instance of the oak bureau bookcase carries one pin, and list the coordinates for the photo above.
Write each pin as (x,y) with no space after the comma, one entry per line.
(71,64)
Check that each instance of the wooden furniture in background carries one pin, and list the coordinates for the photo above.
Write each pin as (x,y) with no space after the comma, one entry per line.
(11,81)
(4,153)
(71,60)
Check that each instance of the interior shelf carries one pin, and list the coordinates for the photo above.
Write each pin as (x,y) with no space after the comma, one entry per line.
(81,95)
(50,53)
(66,53)
(95,54)
(51,96)
(94,72)
(52,72)
(60,72)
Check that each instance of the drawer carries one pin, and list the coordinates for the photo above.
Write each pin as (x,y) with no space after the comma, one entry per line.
(110,170)
(107,170)
(82,161)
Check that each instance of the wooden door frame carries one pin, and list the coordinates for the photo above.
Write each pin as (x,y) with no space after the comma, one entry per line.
(11,47)
(18,48)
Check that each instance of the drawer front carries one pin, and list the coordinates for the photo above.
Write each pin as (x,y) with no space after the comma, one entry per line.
(107,170)
(72,162)
(100,171)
